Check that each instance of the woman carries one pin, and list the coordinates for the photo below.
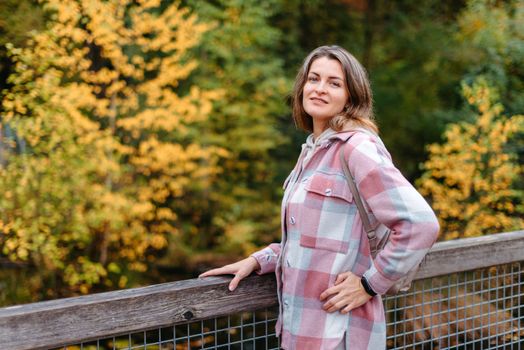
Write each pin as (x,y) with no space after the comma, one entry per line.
(329,287)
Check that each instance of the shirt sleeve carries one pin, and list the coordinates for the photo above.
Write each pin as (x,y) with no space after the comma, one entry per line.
(395,203)
(267,258)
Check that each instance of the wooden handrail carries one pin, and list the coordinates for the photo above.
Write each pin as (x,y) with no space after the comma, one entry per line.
(59,322)
(467,254)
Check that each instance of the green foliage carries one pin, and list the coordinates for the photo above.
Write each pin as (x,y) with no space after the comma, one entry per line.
(240,211)
(491,37)
(415,77)
(18,18)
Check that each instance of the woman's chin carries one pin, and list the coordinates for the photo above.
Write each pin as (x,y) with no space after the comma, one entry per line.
(321,116)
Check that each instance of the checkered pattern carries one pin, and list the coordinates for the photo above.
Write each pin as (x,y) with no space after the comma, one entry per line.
(323,236)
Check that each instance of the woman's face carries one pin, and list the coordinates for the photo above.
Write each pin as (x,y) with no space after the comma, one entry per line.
(325,93)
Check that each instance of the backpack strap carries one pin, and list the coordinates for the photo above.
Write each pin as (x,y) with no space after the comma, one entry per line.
(370,231)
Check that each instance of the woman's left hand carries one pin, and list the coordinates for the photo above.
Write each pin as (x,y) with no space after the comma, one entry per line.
(346,295)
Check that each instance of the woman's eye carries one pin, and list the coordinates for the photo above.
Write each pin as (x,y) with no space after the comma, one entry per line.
(336,84)
(312,79)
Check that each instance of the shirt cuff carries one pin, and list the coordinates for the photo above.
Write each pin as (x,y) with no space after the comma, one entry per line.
(378,282)
(267,259)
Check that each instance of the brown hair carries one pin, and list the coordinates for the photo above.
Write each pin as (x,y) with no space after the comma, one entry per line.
(359,112)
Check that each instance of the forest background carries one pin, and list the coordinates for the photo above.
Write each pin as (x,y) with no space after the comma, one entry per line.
(144,141)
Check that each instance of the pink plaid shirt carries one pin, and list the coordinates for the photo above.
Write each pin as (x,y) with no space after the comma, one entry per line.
(323,236)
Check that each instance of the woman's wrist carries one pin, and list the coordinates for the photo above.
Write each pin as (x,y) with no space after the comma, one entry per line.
(367,287)
(256,264)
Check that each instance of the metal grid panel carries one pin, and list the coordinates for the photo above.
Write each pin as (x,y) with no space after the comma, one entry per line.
(247,330)
(481,309)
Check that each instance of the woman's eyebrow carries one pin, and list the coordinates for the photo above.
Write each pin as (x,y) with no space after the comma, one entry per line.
(331,77)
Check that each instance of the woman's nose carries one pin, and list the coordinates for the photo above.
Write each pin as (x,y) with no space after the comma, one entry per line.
(321,87)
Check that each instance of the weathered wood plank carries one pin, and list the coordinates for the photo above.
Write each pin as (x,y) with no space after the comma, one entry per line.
(59,322)
(473,253)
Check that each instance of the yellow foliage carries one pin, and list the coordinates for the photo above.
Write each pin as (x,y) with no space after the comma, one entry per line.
(96,99)
(472,178)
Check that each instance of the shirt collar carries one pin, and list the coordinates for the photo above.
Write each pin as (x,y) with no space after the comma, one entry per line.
(328,134)
(325,135)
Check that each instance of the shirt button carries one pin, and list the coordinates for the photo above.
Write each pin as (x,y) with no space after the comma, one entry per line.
(292,220)
(305,179)
(286,303)
(328,191)
(288,263)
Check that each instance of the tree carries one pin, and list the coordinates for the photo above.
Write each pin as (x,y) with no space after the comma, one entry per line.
(100,99)
(478,189)
(490,37)
(473,177)
(17,19)
(240,210)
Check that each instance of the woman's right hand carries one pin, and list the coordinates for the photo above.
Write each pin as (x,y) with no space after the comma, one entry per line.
(240,269)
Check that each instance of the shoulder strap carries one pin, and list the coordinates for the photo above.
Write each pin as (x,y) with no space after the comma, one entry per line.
(358,201)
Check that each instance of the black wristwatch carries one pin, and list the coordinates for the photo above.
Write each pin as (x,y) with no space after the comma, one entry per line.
(367,287)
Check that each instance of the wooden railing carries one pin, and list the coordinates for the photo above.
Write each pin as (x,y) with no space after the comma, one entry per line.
(51,324)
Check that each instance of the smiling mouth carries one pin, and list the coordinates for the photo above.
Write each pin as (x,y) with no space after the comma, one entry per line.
(318,99)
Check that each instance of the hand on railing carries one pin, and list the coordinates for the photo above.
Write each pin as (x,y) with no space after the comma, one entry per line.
(240,269)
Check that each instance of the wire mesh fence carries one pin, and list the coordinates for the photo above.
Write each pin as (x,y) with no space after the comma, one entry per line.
(246,330)
(480,309)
